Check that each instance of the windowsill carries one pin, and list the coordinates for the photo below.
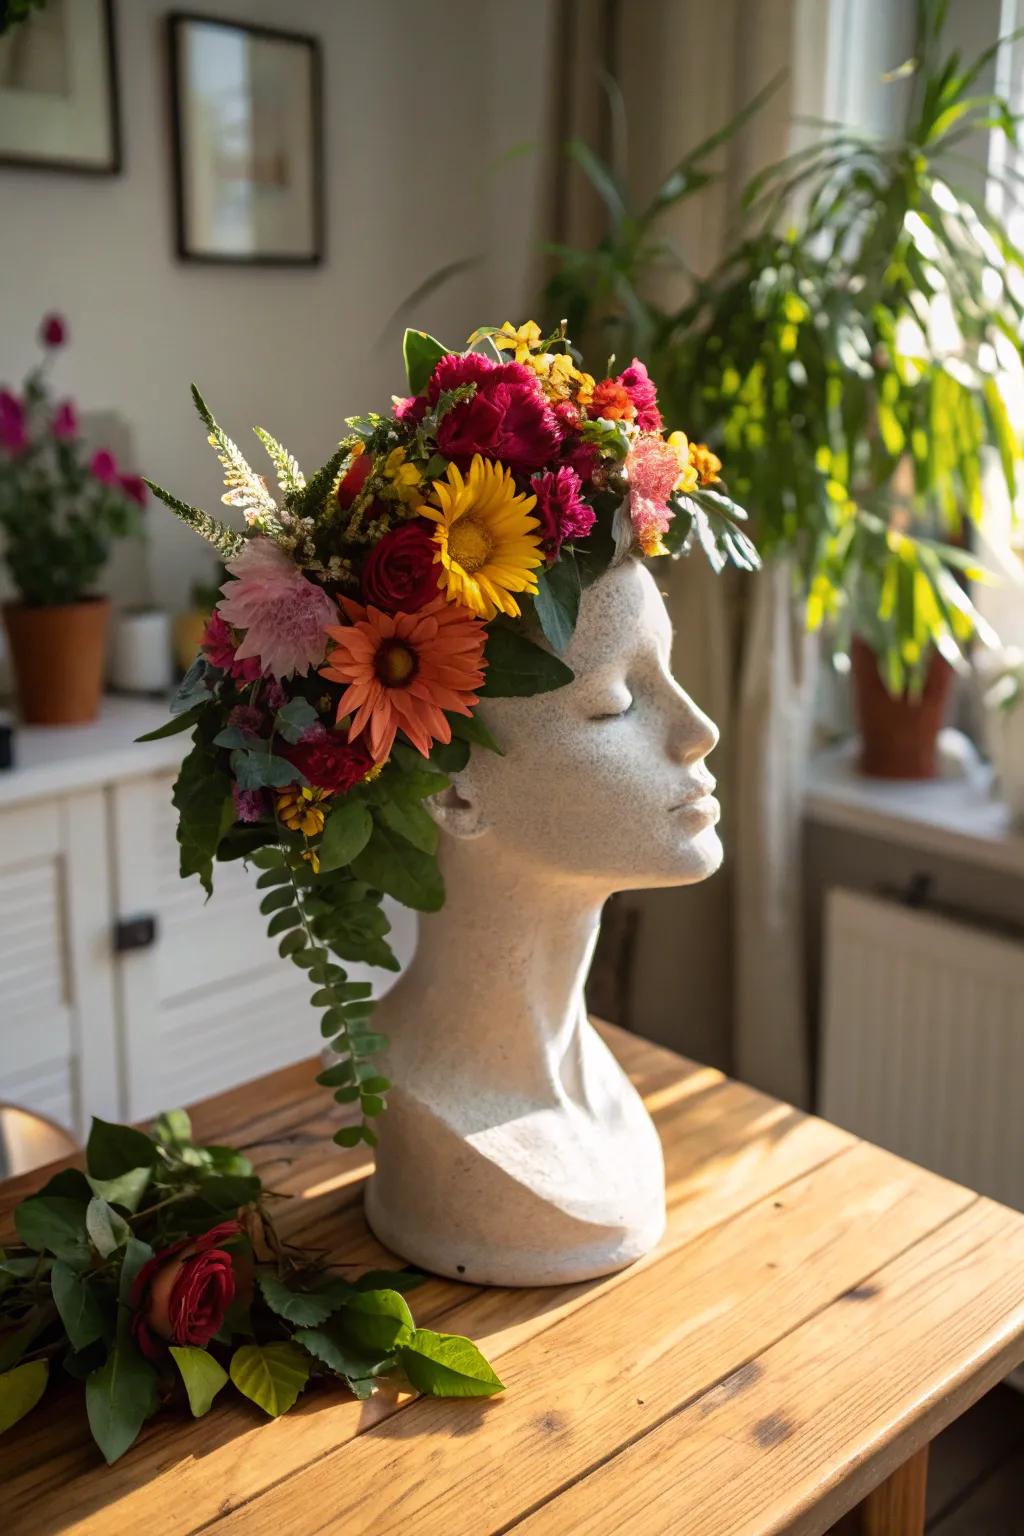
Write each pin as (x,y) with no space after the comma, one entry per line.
(957,817)
(58,760)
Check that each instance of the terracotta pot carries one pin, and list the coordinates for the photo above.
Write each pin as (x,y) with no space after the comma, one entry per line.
(898,735)
(57,655)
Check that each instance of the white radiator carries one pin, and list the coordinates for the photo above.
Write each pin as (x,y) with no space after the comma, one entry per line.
(923,1040)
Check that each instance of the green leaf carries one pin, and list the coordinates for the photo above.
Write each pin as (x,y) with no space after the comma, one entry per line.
(421,353)
(258,769)
(377,1320)
(107,1230)
(393,865)
(271,1375)
(293,718)
(518,668)
(20,1390)
(307,1307)
(55,1223)
(450,756)
(409,819)
(346,833)
(126,1190)
(229,1192)
(471,728)
(332,1077)
(202,798)
(445,1365)
(113,1150)
(330,1346)
(178,723)
(78,1305)
(69,1182)
(202,1374)
(557,602)
(119,1398)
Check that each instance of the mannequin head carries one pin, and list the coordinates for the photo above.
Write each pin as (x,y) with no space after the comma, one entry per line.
(603,780)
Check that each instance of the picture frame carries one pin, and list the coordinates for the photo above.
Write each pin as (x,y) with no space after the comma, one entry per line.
(59,98)
(247,133)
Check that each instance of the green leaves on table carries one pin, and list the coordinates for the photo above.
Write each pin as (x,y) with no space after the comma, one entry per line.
(119,1398)
(202,1374)
(20,1390)
(446,1365)
(271,1375)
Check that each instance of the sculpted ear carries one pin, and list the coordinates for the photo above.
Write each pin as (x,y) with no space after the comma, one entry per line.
(458,810)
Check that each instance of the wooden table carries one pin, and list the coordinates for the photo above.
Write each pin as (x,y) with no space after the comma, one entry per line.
(816,1313)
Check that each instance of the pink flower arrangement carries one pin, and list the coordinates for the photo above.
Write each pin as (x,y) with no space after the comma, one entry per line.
(652,467)
(285,617)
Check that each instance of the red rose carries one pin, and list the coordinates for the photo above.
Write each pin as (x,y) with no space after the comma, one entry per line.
(508,418)
(181,1295)
(353,480)
(400,574)
(330,762)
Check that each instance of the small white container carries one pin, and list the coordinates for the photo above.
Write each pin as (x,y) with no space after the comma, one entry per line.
(141,652)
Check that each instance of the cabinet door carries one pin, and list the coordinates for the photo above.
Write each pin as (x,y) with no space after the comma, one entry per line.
(211,1003)
(57,1003)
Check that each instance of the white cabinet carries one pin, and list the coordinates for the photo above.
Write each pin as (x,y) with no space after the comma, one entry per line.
(86,1029)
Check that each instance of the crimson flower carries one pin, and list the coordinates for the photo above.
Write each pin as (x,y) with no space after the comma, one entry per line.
(64,425)
(181,1295)
(400,572)
(508,418)
(53,332)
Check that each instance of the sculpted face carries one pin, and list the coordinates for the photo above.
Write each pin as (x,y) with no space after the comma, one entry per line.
(604,779)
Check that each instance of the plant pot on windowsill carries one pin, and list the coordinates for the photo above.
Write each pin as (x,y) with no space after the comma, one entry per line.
(57,656)
(899,735)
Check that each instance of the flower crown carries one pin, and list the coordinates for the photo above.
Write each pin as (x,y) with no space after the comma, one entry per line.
(369,612)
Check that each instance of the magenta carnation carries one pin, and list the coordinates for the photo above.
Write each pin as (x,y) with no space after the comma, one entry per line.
(411,409)
(561,510)
(507,419)
(640,388)
(64,425)
(13,431)
(284,616)
(218,646)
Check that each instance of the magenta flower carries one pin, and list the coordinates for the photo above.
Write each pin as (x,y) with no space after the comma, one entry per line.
(653,469)
(53,332)
(134,487)
(250,804)
(103,467)
(410,409)
(218,646)
(13,431)
(640,388)
(284,616)
(560,509)
(507,419)
(64,425)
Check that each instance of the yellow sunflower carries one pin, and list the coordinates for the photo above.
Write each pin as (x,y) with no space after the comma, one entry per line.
(486,541)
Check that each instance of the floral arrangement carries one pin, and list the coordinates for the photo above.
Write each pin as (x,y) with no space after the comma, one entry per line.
(436,560)
(144,1273)
(60,508)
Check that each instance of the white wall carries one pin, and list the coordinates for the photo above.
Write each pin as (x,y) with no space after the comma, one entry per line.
(421,99)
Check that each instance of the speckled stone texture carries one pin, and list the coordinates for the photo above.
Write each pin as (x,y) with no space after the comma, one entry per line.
(514,1150)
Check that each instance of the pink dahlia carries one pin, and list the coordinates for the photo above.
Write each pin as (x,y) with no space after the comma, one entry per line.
(640,388)
(653,469)
(562,512)
(219,647)
(284,616)
(64,425)
(508,418)
(13,431)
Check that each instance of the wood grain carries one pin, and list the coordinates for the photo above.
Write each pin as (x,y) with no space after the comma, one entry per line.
(705,1367)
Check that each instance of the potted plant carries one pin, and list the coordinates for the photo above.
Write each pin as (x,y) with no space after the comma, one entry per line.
(850,355)
(60,510)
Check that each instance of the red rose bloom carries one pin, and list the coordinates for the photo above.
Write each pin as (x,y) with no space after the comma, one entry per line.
(400,573)
(612,401)
(329,761)
(508,418)
(353,480)
(180,1295)
(639,386)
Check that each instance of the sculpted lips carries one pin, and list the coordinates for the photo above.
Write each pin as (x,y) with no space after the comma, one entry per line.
(699,798)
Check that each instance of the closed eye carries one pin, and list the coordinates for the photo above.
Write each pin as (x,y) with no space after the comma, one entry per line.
(614,712)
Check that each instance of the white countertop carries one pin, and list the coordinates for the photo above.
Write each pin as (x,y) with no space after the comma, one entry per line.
(56,760)
(958,816)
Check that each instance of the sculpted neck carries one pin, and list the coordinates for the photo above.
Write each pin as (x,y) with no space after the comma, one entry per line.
(495,991)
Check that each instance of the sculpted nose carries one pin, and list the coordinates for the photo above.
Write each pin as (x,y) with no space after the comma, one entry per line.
(694,734)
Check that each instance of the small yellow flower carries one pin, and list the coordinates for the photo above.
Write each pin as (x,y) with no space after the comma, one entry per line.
(706,463)
(521,341)
(687,473)
(405,478)
(585,386)
(312,858)
(299,807)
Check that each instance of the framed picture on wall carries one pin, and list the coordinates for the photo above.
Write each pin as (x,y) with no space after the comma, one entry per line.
(58,90)
(248,142)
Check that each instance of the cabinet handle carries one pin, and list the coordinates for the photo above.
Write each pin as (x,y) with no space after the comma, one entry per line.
(134,933)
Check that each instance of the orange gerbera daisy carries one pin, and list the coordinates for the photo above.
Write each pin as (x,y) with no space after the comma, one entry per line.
(404,670)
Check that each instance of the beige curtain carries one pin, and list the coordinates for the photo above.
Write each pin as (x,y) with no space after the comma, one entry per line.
(716,970)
